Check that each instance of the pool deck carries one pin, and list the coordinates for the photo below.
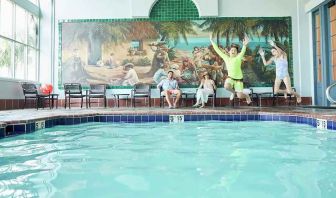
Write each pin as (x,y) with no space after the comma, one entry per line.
(16,122)
(29,115)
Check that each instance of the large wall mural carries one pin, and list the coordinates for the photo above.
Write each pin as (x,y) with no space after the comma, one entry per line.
(125,52)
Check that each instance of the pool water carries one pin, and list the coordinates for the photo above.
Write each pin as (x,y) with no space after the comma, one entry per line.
(194,159)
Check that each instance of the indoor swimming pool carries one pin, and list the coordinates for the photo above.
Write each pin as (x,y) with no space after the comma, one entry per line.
(191,159)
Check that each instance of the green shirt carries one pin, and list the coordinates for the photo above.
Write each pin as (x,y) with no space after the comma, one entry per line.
(233,64)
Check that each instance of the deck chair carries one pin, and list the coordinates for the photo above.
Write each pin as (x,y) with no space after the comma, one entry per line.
(73,90)
(141,91)
(97,91)
(30,92)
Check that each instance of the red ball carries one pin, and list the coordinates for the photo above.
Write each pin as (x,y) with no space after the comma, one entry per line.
(49,87)
(46,88)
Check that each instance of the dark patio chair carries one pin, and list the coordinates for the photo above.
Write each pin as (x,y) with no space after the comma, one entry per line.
(73,90)
(30,92)
(141,91)
(97,91)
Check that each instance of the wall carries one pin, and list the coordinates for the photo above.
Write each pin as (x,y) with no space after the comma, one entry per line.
(105,9)
(77,9)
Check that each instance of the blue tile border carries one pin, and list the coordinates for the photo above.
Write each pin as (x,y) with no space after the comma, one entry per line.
(330,125)
(16,129)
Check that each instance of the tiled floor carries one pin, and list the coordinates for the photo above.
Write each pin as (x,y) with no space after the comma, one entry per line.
(22,116)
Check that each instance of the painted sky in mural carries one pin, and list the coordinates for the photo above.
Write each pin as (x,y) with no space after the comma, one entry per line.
(123,53)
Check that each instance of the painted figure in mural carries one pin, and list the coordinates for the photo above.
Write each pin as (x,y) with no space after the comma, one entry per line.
(206,88)
(160,74)
(197,56)
(131,77)
(188,74)
(279,57)
(111,61)
(100,63)
(215,65)
(177,73)
(160,56)
(234,82)
(170,87)
(73,69)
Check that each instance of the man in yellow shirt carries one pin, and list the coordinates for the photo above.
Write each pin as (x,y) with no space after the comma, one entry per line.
(233,61)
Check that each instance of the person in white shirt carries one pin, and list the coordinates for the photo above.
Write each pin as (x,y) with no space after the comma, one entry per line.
(206,88)
(170,87)
(131,77)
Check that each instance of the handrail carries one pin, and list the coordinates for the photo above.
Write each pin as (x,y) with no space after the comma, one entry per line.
(331,100)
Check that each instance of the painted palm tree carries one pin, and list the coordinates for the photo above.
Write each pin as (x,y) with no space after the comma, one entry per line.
(276,28)
(218,29)
(171,31)
(142,30)
(95,34)
(174,30)
(229,28)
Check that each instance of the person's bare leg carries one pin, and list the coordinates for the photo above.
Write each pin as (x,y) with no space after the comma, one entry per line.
(228,87)
(178,96)
(277,89)
(241,95)
(287,82)
(167,94)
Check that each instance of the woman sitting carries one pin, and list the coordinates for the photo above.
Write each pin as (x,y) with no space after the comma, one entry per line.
(206,88)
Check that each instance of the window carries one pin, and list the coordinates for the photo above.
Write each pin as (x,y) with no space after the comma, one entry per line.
(318,45)
(18,41)
(332,39)
(5,58)
(19,61)
(21,25)
(32,30)
(32,60)
(6,18)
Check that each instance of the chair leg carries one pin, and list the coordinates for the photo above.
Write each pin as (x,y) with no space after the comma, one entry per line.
(37,103)
(69,102)
(149,101)
(89,102)
(25,101)
(105,103)
(65,102)
(81,102)
(133,101)
(49,101)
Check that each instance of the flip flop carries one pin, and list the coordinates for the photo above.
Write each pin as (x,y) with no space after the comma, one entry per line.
(299,100)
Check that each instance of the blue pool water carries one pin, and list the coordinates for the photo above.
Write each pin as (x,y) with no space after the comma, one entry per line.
(194,159)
